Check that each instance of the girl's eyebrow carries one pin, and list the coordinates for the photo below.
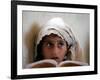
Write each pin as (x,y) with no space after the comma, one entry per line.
(50,40)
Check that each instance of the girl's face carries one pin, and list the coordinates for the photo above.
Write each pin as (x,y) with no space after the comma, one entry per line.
(54,48)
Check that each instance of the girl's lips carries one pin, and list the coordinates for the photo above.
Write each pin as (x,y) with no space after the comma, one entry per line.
(55,58)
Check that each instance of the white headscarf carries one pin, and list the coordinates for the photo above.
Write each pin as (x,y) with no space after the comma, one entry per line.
(58,27)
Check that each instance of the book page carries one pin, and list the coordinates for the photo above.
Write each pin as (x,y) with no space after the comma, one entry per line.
(72,63)
(43,64)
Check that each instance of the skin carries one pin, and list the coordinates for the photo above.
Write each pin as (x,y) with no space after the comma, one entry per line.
(54,47)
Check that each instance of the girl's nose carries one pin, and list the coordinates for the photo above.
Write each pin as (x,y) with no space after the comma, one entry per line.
(55,50)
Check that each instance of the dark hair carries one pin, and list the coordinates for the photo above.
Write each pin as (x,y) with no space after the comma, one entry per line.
(39,52)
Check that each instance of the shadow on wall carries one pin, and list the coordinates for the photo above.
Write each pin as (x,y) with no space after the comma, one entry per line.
(87,55)
(30,41)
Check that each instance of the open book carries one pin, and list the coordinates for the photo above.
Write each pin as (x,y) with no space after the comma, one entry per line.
(52,63)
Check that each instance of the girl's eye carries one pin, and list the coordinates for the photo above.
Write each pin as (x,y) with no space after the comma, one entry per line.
(48,44)
(61,44)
